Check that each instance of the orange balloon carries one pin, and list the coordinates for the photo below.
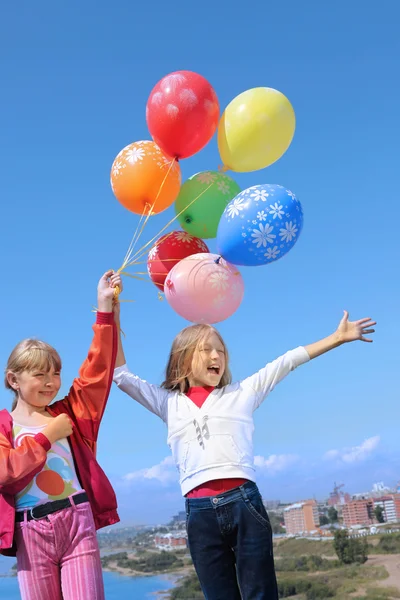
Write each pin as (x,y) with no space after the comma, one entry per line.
(142,178)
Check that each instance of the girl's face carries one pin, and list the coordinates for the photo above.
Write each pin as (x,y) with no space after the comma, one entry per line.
(36,388)
(208,363)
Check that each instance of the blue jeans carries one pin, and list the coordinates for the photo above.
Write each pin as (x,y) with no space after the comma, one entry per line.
(230,541)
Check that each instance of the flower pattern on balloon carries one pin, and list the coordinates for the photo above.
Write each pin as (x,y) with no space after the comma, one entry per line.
(263,235)
(289,232)
(219,280)
(276,210)
(188,98)
(259,195)
(183,236)
(134,155)
(206,177)
(172,82)
(235,207)
(272,253)
(223,187)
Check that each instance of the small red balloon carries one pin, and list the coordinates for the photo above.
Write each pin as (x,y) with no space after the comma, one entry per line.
(170,249)
(182,113)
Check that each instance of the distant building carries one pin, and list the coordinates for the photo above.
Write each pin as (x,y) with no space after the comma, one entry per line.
(380,489)
(272,504)
(171,541)
(358,512)
(390,505)
(301,517)
(179,518)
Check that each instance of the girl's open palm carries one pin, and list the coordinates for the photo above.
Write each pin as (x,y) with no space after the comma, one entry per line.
(349,331)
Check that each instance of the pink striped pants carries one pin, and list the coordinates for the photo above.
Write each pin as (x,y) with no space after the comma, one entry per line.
(58,557)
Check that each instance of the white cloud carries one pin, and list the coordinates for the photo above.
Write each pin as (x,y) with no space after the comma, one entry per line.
(276,462)
(356,453)
(165,472)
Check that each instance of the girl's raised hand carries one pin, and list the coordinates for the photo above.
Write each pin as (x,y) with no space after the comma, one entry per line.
(349,331)
(106,290)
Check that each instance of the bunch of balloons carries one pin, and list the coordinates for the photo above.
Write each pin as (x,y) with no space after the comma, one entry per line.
(255,226)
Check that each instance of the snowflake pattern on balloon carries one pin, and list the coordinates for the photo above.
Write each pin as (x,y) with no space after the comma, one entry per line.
(270,222)
(219,280)
(134,155)
(188,98)
(206,177)
(235,207)
(223,187)
(183,236)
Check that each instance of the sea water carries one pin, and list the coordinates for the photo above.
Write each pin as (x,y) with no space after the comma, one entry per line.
(117,587)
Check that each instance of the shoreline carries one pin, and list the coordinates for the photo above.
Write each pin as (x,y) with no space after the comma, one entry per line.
(127,572)
(173,577)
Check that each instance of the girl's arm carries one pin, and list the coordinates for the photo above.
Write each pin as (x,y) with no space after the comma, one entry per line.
(347,331)
(152,397)
(263,382)
(121,360)
(88,395)
(18,466)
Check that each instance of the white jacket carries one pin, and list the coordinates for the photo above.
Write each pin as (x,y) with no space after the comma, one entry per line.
(216,440)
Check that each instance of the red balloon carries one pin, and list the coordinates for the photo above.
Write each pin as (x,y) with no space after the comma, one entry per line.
(168,251)
(182,113)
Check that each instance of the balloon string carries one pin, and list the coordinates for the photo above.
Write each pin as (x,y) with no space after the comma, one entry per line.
(142,251)
(149,214)
(133,240)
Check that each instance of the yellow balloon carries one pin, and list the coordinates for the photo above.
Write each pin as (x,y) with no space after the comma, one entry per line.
(255,130)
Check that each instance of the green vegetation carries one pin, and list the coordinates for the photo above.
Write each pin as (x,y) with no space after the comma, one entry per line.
(337,583)
(188,590)
(147,562)
(298,547)
(276,519)
(379,594)
(379,514)
(314,589)
(309,563)
(350,550)
(323,520)
(387,544)
(332,514)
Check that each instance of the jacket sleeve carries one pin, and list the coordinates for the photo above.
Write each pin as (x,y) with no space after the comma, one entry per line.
(265,380)
(88,395)
(18,466)
(152,397)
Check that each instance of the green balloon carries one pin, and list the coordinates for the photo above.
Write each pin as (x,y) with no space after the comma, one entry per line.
(213,191)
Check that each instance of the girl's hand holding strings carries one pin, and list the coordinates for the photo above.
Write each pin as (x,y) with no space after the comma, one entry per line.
(106,290)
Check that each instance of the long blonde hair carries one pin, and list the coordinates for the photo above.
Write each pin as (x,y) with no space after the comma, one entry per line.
(30,355)
(179,366)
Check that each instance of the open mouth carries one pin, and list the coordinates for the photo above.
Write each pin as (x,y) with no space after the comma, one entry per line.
(214,370)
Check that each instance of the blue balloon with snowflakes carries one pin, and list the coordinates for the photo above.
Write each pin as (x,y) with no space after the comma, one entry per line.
(260,225)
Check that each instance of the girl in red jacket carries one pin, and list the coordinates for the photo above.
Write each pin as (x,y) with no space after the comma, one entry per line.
(53,493)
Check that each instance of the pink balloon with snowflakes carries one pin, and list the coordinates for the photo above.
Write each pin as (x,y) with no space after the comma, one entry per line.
(204,288)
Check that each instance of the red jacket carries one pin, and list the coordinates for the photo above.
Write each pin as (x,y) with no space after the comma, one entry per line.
(85,405)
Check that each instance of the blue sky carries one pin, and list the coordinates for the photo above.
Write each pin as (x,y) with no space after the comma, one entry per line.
(75,79)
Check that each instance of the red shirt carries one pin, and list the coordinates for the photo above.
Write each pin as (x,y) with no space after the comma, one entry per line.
(198,395)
